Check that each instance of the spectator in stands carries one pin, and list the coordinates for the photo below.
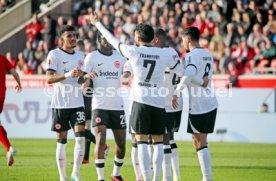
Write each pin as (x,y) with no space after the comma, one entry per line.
(216,45)
(60,24)
(270,51)
(255,37)
(33,30)
(28,51)
(230,38)
(49,31)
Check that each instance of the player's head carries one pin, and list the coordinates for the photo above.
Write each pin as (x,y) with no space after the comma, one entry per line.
(160,38)
(80,45)
(144,33)
(102,43)
(68,37)
(190,36)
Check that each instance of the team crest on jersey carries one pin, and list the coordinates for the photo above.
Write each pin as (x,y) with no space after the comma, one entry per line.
(98,120)
(117,64)
(57,126)
(80,64)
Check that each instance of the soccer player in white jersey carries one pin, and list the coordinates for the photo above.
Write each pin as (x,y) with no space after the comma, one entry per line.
(202,101)
(126,81)
(105,66)
(63,70)
(147,115)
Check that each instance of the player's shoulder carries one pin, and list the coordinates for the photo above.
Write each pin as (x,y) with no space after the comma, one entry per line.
(55,51)
(79,53)
(92,54)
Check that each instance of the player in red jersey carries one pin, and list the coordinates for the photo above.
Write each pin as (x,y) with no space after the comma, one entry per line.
(6,66)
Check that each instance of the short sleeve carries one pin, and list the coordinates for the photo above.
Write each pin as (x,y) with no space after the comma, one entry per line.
(127,50)
(88,63)
(9,66)
(174,57)
(127,67)
(51,62)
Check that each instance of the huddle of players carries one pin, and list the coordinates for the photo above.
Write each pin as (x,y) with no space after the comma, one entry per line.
(158,116)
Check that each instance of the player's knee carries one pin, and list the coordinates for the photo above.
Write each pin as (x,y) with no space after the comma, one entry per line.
(62,140)
(121,143)
(80,134)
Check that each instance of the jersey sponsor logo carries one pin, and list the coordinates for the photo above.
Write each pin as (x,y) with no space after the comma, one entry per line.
(57,126)
(65,62)
(108,74)
(99,64)
(98,119)
(49,62)
(117,64)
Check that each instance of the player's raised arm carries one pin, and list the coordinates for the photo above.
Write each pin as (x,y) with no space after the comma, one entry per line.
(122,48)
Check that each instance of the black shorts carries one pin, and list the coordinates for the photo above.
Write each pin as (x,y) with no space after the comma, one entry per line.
(65,119)
(172,120)
(87,106)
(110,118)
(202,123)
(146,119)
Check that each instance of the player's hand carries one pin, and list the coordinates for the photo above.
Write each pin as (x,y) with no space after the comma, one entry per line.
(125,78)
(18,88)
(76,72)
(93,18)
(174,101)
(91,75)
(205,81)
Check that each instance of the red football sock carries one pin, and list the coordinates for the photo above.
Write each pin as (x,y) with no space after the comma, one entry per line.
(4,139)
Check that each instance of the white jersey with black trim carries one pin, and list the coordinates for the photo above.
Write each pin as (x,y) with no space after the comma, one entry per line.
(171,81)
(201,100)
(106,86)
(148,65)
(67,93)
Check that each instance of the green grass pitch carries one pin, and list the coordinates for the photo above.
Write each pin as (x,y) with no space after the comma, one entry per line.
(35,161)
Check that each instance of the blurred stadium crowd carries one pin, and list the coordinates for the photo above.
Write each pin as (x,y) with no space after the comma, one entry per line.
(240,34)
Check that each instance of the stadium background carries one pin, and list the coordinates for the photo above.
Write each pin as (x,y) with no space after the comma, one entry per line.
(245,56)
(240,35)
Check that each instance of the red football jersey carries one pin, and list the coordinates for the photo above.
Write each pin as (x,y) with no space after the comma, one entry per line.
(5,66)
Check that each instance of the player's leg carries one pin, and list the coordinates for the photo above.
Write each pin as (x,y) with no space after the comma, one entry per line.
(199,126)
(157,131)
(4,136)
(120,149)
(175,157)
(61,125)
(166,165)
(99,124)
(140,126)
(134,159)
(158,154)
(77,120)
(204,157)
(61,154)
(118,125)
(89,137)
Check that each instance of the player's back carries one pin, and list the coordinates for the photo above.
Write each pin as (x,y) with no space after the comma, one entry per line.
(202,100)
(149,65)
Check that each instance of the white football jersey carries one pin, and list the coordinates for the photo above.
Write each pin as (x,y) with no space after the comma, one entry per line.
(201,100)
(171,81)
(106,86)
(148,65)
(67,93)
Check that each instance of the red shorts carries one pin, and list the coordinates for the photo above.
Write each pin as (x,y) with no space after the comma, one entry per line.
(2,100)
